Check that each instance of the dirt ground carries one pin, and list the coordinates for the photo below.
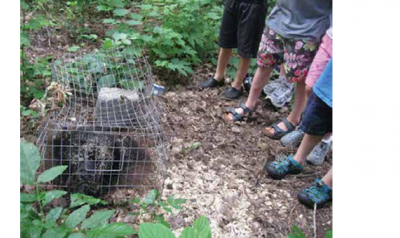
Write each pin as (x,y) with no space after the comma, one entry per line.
(223,178)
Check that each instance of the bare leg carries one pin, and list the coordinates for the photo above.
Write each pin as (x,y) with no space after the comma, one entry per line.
(328,178)
(244,65)
(282,71)
(223,60)
(260,80)
(299,105)
(308,91)
(307,145)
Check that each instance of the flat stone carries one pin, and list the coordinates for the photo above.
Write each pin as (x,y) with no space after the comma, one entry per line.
(117,107)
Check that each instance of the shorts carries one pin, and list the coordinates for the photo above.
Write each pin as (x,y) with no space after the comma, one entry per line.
(317,120)
(324,54)
(242,25)
(296,54)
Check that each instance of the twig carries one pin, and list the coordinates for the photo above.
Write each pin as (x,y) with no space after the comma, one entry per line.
(315,220)
(49,36)
(308,175)
(291,212)
(241,165)
(260,172)
(212,202)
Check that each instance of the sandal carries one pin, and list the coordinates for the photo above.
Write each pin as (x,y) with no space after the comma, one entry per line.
(278,132)
(237,116)
(232,93)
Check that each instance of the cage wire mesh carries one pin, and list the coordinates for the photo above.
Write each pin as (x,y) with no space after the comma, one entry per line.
(104,124)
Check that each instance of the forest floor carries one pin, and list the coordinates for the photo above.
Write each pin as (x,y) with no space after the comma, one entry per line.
(223,178)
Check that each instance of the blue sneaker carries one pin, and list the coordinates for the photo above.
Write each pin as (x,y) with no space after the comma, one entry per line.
(281,167)
(318,193)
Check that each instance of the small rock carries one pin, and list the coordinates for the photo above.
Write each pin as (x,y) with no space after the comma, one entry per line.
(236,129)
(170,94)
(232,185)
(262,146)
(283,110)
(130,219)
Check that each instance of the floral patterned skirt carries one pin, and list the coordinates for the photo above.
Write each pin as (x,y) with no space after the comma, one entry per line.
(296,54)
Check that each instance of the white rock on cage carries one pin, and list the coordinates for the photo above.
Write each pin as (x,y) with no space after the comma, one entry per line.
(117,107)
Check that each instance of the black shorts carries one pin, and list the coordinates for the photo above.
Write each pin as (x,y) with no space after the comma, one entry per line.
(317,120)
(242,26)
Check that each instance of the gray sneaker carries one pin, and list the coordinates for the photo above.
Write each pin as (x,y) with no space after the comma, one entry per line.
(317,155)
(272,85)
(293,139)
(281,95)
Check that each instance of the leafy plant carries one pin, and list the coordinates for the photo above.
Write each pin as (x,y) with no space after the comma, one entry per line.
(200,229)
(33,77)
(60,222)
(152,203)
(298,233)
(177,35)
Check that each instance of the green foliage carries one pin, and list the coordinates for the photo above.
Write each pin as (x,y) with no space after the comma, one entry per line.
(200,229)
(73,48)
(74,221)
(59,222)
(78,199)
(113,230)
(33,77)
(98,75)
(329,234)
(152,202)
(176,35)
(30,161)
(98,218)
(51,174)
(298,233)
(150,230)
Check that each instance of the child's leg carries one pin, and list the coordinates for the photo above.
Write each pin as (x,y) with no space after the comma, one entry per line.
(299,104)
(244,65)
(297,61)
(316,123)
(282,72)
(270,54)
(307,145)
(260,80)
(223,60)
(328,178)
(324,54)
(327,136)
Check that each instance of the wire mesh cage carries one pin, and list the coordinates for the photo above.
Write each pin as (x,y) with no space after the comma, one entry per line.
(104,124)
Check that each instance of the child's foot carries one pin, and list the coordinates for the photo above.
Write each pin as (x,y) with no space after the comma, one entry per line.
(293,138)
(277,130)
(232,93)
(318,193)
(211,83)
(319,152)
(237,114)
(280,168)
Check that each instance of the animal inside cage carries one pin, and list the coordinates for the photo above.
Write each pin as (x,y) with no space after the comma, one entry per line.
(104,124)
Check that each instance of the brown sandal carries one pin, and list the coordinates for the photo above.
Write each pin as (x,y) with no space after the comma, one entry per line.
(237,116)
(278,132)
